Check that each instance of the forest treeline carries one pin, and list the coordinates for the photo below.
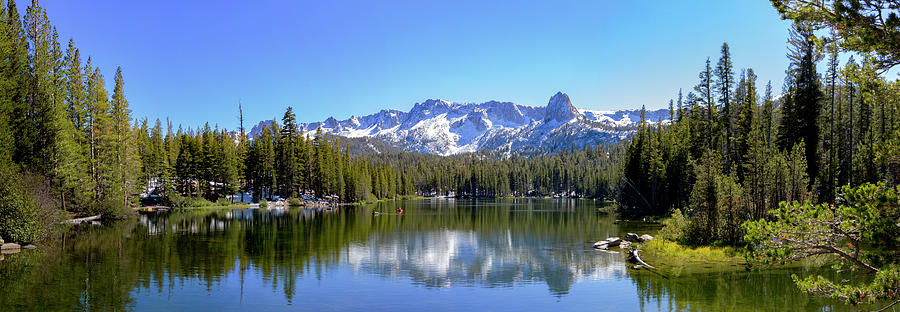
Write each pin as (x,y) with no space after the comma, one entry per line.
(729,154)
(733,154)
(815,163)
(69,146)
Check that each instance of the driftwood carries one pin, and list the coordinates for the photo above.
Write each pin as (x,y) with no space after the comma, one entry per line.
(636,257)
(82,220)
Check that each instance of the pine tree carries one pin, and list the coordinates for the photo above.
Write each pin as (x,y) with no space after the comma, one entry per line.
(680,106)
(320,164)
(264,164)
(290,170)
(45,98)
(768,112)
(724,84)
(801,108)
(158,171)
(241,154)
(849,69)
(830,146)
(98,120)
(8,84)
(705,98)
(126,167)
(704,198)
(745,120)
(671,110)
(230,163)
(16,69)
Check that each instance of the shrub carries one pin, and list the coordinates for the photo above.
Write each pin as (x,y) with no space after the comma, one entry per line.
(676,227)
(29,209)
(18,215)
(295,202)
(263,204)
(110,209)
(223,202)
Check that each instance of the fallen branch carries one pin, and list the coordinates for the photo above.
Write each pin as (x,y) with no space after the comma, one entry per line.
(634,253)
(82,220)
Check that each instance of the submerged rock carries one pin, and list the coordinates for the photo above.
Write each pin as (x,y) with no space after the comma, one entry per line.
(646,237)
(29,246)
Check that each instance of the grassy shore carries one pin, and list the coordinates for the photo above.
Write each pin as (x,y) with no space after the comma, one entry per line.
(676,259)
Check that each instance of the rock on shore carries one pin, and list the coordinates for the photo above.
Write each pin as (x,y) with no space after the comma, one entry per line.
(630,238)
(609,242)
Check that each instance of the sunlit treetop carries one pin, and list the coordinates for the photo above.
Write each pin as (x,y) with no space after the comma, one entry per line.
(863,26)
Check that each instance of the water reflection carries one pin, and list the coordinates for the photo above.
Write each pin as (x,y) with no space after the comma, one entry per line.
(348,258)
(499,258)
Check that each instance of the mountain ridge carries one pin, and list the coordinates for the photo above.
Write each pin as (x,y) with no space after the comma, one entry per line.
(442,127)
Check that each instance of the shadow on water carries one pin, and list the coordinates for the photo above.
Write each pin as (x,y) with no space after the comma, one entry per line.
(203,259)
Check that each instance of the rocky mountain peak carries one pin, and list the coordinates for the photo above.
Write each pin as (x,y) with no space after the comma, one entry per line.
(560,108)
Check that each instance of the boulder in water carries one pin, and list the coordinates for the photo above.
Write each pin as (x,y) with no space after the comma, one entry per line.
(609,242)
(646,237)
(634,238)
(613,241)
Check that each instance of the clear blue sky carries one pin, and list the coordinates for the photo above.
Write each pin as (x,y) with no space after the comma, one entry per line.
(193,60)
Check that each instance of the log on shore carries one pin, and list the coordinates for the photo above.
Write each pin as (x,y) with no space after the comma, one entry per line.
(83,220)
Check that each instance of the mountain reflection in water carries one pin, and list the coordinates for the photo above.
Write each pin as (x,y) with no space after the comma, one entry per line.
(446,254)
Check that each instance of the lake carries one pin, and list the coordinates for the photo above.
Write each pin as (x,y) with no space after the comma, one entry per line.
(439,255)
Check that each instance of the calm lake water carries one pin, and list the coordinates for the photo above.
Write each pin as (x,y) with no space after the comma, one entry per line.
(440,255)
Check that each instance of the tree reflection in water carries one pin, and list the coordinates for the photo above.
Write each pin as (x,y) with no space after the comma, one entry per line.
(435,244)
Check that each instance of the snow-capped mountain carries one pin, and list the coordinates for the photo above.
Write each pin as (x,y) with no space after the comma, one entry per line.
(447,128)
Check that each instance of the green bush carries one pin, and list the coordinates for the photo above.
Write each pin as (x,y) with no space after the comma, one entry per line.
(110,209)
(676,227)
(223,202)
(295,202)
(263,204)
(19,215)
